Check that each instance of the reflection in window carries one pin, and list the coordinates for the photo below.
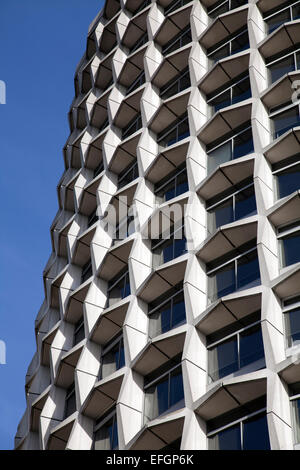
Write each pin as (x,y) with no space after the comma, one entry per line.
(164,394)
(239,145)
(234,275)
(170,246)
(128,175)
(70,404)
(183,38)
(250,433)
(289,243)
(287,174)
(230,208)
(283,121)
(239,91)
(79,331)
(177,131)
(283,15)
(291,311)
(112,357)
(236,351)
(106,433)
(118,288)
(132,127)
(173,185)
(279,67)
(222,6)
(237,42)
(167,313)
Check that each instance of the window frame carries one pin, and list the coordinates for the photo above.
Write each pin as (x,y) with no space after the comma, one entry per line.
(284,231)
(286,309)
(121,176)
(240,421)
(281,110)
(126,131)
(280,9)
(117,340)
(230,87)
(139,81)
(229,41)
(174,81)
(115,281)
(174,126)
(219,4)
(178,37)
(236,333)
(111,415)
(70,392)
(271,61)
(281,167)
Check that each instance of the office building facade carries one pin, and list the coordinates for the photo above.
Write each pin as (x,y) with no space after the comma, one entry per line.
(171,317)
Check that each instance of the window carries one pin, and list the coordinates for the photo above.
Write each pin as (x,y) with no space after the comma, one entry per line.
(125,228)
(128,175)
(173,185)
(237,91)
(163,392)
(223,6)
(282,15)
(112,357)
(175,5)
(177,84)
(118,288)
(79,331)
(287,176)
(99,169)
(239,273)
(139,81)
(278,67)
(231,206)
(87,271)
(236,146)
(247,433)
(132,127)
(106,433)
(167,312)
(93,218)
(285,120)
(183,38)
(291,311)
(177,131)
(139,43)
(289,243)
(237,347)
(237,42)
(169,246)
(142,6)
(70,404)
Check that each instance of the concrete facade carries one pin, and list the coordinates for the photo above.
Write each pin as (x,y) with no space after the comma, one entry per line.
(176,109)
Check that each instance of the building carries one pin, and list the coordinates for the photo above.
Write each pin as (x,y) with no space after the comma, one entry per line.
(185,115)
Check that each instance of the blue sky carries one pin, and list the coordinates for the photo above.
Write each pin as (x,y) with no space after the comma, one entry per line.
(41,43)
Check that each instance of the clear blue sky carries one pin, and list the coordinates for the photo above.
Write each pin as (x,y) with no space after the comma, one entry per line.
(41,42)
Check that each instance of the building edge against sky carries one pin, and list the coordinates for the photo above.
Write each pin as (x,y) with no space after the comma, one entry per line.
(171,316)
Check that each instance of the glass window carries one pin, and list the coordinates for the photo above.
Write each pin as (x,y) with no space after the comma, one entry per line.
(70,405)
(183,38)
(284,121)
(249,434)
(87,271)
(169,246)
(291,310)
(165,394)
(139,43)
(132,127)
(237,43)
(234,207)
(168,315)
(125,228)
(288,180)
(238,91)
(118,289)
(172,186)
(289,13)
(175,5)
(289,243)
(139,81)
(279,67)
(177,84)
(79,334)
(295,402)
(238,146)
(241,273)
(236,352)
(112,357)
(128,175)
(176,132)
(222,6)
(93,218)
(106,436)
